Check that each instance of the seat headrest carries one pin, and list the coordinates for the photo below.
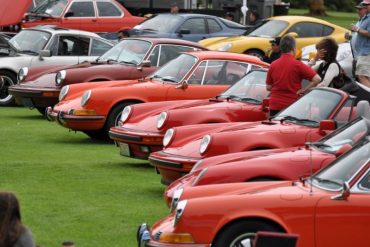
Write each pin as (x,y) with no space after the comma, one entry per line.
(363,109)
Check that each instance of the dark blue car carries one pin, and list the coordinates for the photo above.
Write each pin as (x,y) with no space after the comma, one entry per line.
(193,27)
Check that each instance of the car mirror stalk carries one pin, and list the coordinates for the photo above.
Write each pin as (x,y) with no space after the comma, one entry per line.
(344,195)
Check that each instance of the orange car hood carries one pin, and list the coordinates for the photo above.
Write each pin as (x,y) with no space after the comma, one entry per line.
(12,11)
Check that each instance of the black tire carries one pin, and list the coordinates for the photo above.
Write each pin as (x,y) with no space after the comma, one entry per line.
(114,116)
(41,110)
(9,79)
(256,53)
(233,235)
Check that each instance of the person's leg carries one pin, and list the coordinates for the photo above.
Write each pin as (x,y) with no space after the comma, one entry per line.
(363,70)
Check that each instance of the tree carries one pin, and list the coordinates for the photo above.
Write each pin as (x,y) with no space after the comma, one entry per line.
(317,7)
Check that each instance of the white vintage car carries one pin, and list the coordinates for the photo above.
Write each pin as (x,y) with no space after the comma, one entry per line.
(47,45)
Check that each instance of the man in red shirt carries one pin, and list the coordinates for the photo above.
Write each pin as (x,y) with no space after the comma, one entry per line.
(284,78)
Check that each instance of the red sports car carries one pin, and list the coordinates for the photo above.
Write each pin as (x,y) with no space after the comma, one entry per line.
(274,164)
(329,209)
(130,59)
(308,119)
(95,108)
(144,125)
(88,15)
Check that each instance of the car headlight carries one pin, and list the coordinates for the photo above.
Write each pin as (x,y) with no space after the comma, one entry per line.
(195,167)
(176,198)
(204,143)
(180,210)
(60,76)
(85,97)
(168,137)
(225,47)
(200,175)
(161,119)
(22,74)
(126,113)
(63,93)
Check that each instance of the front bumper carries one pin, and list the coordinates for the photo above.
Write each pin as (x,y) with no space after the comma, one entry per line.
(33,97)
(171,167)
(136,144)
(78,123)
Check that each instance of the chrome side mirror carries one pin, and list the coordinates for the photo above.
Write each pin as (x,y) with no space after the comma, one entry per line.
(344,195)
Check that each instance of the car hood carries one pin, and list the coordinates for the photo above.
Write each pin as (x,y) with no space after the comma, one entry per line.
(18,9)
(44,81)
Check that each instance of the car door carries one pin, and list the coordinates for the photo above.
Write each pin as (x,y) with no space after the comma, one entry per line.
(214,28)
(110,17)
(193,29)
(309,32)
(66,49)
(81,15)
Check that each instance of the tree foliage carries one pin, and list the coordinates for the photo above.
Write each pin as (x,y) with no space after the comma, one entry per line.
(337,5)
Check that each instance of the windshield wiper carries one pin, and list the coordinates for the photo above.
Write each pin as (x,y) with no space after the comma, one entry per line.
(168,79)
(149,29)
(291,118)
(318,144)
(28,51)
(127,62)
(324,180)
(250,99)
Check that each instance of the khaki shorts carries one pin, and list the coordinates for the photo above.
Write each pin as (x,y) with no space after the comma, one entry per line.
(363,66)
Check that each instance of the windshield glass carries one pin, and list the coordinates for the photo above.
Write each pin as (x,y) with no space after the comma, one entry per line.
(30,41)
(175,70)
(251,88)
(343,169)
(161,23)
(350,133)
(129,51)
(315,106)
(270,29)
(51,7)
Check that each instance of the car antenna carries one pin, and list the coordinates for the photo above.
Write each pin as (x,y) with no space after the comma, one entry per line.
(310,140)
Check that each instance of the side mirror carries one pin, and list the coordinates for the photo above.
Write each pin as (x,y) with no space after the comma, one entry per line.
(344,195)
(265,104)
(184,85)
(343,149)
(69,14)
(144,64)
(327,125)
(183,31)
(44,53)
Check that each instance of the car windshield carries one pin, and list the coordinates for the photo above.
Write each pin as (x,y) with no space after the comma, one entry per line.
(175,70)
(127,51)
(30,41)
(351,133)
(160,23)
(51,7)
(312,108)
(344,168)
(270,29)
(251,88)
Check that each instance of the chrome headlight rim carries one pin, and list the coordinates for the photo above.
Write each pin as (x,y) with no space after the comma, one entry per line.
(60,77)
(22,74)
(168,136)
(162,119)
(176,198)
(85,97)
(63,92)
(225,47)
(200,175)
(204,144)
(180,209)
(126,113)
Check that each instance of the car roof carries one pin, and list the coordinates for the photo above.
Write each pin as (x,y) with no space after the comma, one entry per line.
(190,15)
(221,55)
(168,41)
(299,18)
(58,30)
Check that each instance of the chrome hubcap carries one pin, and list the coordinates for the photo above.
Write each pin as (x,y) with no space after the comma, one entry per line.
(244,240)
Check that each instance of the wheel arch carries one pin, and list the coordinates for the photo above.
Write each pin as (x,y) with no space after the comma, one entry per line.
(261,52)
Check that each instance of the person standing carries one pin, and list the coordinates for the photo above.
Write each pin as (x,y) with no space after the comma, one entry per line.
(284,78)
(274,52)
(174,8)
(362,44)
(361,11)
(12,232)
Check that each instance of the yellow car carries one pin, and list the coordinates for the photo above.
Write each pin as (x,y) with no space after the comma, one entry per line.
(307,30)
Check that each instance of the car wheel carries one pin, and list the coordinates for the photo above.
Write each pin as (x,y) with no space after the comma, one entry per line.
(8,79)
(114,116)
(41,110)
(255,53)
(241,234)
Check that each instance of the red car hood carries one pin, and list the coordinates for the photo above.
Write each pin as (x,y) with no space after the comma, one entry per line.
(12,11)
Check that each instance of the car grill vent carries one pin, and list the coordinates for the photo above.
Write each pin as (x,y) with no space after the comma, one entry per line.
(157,235)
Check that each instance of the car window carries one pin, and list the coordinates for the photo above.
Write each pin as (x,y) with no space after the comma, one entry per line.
(310,29)
(161,23)
(73,46)
(108,9)
(30,40)
(54,8)
(271,28)
(344,114)
(82,9)
(164,53)
(195,25)
(98,47)
(213,26)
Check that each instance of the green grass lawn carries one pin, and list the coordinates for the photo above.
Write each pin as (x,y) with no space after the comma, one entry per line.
(344,19)
(72,188)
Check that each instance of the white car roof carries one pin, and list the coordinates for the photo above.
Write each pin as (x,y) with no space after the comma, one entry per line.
(57,30)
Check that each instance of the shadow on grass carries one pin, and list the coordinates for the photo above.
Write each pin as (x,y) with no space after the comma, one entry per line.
(82,140)
(131,164)
(28,117)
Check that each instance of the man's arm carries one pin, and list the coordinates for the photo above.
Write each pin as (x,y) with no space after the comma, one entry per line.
(313,83)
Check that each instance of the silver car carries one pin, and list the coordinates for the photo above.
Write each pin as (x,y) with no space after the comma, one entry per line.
(49,46)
